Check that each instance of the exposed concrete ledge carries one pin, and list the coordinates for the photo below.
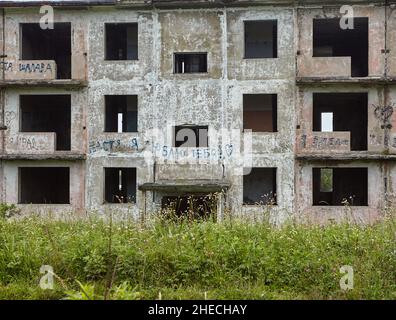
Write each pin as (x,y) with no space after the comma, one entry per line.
(43,83)
(343,80)
(193,186)
(55,156)
(360,156)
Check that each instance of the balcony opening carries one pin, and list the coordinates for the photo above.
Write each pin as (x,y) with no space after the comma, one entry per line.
(260,112)
(191,62)
(48,44)
(121,113)
(261,39)
(120,185)
(340,186)
(47,113)
(191,136)
(121,41)
(259,187)
(342,112)
(190,206)
(44,185)
(330,40)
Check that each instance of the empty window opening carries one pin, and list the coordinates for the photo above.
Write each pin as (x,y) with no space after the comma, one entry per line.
(329,40)
(261,39)
(260,112)
(190,206)
(191,136)
(340,186)
(191,62)
(120,185)
(121,41)
(44,185)
(47,113)
(121,113)
(349,113)
(259,187)
(48,44)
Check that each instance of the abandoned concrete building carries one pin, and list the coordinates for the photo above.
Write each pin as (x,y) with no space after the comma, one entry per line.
(243,106)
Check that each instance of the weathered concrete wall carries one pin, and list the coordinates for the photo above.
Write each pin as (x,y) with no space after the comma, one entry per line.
(391,41)
(166,99)
(260,69)
(215,99)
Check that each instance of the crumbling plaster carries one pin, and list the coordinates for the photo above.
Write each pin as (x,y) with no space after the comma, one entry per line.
(166,99)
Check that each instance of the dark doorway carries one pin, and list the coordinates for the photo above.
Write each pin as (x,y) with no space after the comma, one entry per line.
(261,39)
(330,40)
(191,206)
(121,113)
(349,113)
(260,112)
(120,185)
(48,44)
(259,187)
(121,41)
(44,185)
(47,113)
(191,62)
(191,136)
(340,186)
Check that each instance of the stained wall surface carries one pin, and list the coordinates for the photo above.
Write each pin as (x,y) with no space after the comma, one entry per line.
(214,99)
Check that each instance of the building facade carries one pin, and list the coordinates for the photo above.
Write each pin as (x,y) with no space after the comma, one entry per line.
(239,108)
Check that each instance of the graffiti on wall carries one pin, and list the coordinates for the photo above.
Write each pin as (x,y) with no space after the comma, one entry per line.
(320,142)
(38,67)
(113,145)
(9,116)
(25,143)
(383,113)
(167,152)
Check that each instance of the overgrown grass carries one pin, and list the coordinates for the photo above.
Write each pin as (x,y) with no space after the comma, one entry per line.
(195,260)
